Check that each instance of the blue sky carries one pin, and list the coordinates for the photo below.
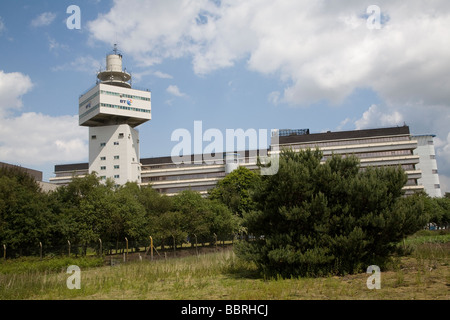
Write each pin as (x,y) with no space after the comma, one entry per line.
(253,64)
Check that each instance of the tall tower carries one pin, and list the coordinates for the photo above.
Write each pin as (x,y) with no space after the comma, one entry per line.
(112,110)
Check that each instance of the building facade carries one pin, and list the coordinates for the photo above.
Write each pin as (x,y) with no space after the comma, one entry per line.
(428,165)
(374,147)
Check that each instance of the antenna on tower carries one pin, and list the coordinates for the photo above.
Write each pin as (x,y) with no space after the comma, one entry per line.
(115,50)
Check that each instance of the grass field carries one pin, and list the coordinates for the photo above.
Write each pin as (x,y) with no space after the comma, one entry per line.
(422,274)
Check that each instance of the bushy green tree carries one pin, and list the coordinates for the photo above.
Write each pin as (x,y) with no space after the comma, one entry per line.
(25,217)
(438,210)
(234,190)
(84,208)
(316,218)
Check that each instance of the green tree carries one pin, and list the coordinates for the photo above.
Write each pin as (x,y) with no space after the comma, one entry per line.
(235,190)
(438,210)
(84,209)
(222,222)
(129,215)
(194,211)
(315,219)
(25,217)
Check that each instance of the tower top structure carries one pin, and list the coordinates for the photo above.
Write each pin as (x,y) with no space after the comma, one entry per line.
(112,101)
(114,74)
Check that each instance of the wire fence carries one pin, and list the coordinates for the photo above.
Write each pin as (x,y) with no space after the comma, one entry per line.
(124,250)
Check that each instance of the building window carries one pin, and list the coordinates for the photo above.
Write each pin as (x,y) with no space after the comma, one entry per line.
(116,157)
(102,144)
(432,156)
(103,168)
(437,186)
(120,135)
(103,178)
(116,143)
(116,167)
(102,158)
(430,142)
(94,137)
(116,176)
(434,171)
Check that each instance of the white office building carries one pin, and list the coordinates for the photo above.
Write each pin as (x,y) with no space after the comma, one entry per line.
(428,165)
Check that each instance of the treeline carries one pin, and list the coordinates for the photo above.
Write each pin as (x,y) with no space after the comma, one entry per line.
(311,218)
(87,210)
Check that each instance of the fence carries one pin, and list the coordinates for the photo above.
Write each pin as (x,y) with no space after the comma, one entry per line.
(125,250)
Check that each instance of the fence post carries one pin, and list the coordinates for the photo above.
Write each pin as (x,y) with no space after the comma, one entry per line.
(174,247)
(151,247)
(215,238)
(4,251)
(126,240)
(196,248)
(101,249)
(69,247)
(40,250)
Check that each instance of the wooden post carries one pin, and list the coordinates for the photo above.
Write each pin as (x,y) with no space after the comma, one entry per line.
(151,247)
(126,240)
(4,251)
(40,245)
(215,239)
(174,248)
(69,247)
(101,248)
(196,248)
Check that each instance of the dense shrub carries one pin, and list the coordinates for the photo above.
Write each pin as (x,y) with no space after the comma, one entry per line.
(316,218)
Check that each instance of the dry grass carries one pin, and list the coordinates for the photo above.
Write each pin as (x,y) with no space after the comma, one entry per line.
(425,274)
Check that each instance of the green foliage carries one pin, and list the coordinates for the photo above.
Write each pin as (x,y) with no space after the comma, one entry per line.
(438,209)
(234,190)
(25,218)
(331,218)
(87,210)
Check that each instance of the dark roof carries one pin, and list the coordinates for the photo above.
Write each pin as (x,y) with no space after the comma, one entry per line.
(168,159)
(71,167)
(340,135)
(37,175)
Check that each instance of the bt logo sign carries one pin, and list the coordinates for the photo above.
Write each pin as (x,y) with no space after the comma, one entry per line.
(127,101)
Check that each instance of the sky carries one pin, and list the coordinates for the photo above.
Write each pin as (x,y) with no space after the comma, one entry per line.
(254,64)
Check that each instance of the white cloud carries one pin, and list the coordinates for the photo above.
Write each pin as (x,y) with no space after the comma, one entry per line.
(12,87)
(82,64)
(173,90)
(375,117)
(162,75)
(321,49)
(274,97)
(43,19)
(34,138)
(2,26)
